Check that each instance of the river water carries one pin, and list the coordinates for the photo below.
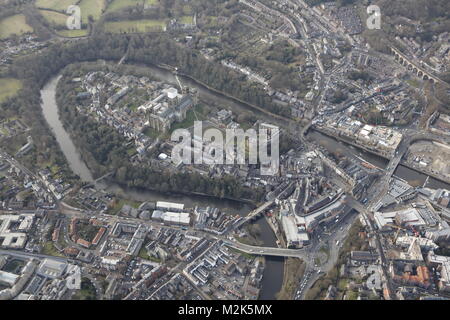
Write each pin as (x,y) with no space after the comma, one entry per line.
(413,177)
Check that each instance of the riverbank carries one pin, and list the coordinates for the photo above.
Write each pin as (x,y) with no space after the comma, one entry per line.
(402,162)
(294,270)
(413,177)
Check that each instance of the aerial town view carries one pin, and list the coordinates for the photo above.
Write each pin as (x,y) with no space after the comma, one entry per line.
(224,150)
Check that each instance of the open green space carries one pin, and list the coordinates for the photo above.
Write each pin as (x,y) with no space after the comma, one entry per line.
(54,18)
(92,8)
(73,33)
(117,5)
(198,113)
(144,255)
(50,250)
(135,26)
(58,5)
(294,269)
(87,231)
(14,25)
(119,203)
(9,88)
(187,19)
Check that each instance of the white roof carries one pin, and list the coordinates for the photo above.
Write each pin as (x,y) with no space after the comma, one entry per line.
(52,268)
(170,205)
(8,278)
(291,230)
(176,217)
(110,260)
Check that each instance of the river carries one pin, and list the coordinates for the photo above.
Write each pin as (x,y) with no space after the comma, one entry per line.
(411,176)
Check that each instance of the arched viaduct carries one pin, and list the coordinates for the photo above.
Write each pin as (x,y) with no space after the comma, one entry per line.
(411,66)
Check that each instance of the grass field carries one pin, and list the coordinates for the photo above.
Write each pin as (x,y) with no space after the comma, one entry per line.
(134,26)
(58,5)
(119,203)
(73,33)
(8,88)
(93,8)
(54,18)
(14,25)
(120,4)
(50,250)
(187,19)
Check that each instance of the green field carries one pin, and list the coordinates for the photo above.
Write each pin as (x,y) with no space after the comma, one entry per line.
(50,250)
(14,25)
(187,19)
(135,26)
(73,33)
(9,88)
(54,18)
(58,5)
(120,4)
(93,8)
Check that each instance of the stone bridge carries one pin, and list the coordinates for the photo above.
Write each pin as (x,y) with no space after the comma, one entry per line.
(411,66)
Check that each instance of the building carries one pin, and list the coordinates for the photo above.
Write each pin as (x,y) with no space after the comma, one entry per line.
(8,278)
(443,265)
(424,243)
(410,274)
(296,237)
(51,268)
(178,218)
(13,230)
(164,112)
(169,206)
(363,257)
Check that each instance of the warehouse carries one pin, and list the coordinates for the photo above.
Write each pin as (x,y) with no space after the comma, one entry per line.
(169,206)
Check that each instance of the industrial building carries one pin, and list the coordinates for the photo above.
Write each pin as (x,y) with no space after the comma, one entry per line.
(178,218)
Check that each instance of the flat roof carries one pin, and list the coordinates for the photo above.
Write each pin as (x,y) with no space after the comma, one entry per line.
(8,278)
(170,205)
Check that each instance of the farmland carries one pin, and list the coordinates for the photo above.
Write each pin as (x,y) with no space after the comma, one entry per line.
(14,25)
(135,26)
(54,18)
(58,5)
(120,4)
(92,8)
(8,88)
(73,33)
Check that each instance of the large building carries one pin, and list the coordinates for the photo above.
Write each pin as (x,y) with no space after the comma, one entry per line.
(443,265)
(169,206)
(167,108)
(13,230)
(52,269)
(178,218)
(296,236)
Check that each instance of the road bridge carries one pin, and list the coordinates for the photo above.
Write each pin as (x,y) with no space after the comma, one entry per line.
(253,214)
(267,251)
